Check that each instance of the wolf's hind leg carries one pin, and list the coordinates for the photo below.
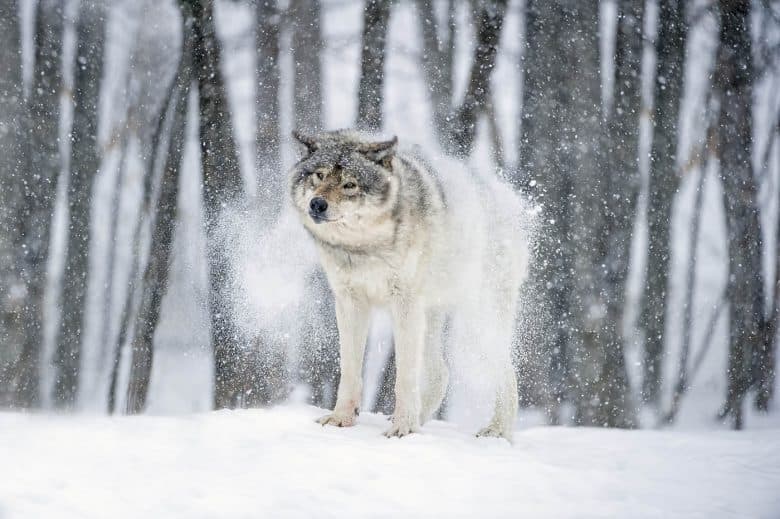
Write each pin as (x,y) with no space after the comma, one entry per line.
(435,372)
(506,406)
(501,362)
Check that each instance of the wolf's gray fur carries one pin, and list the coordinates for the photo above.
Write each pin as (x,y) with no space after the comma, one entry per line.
(392,231)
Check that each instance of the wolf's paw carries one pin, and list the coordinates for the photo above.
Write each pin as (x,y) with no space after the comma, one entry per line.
(338,419)
(401,427)
(494,431)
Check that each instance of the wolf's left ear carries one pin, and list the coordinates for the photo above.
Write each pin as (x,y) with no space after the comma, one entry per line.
(310,142)
(380,152)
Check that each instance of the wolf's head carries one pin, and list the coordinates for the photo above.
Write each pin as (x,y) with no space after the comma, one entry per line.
(343,181)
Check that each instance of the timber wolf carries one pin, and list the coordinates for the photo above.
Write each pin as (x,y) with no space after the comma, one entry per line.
(428,245)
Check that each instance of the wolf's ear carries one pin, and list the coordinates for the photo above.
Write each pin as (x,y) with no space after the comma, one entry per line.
(380,152)
(310,142)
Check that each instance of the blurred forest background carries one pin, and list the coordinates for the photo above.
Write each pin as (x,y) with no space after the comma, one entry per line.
(133,133)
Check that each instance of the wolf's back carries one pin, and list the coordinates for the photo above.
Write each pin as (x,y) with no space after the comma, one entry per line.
(487,226)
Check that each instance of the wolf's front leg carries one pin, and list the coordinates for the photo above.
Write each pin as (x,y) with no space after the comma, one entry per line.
(409,331)
(352,316)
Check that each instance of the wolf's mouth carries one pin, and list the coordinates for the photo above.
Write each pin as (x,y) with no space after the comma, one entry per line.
(320,219)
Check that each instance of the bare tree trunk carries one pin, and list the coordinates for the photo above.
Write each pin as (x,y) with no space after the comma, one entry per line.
(765,378)
(706,340)
(155,277)
(457,125)
(588,202)
(734,78)
(46,162)
(151,193)
(306,50)
(120,138)
(222,185)
(85,162)
(268,138)
(549,182)
(700,159)
(690,285)
(106,333)
(156,117)
(12,161)
(376,17)
(437,60)
(597,366)
(489,21)
(670,52)
(764,359)
(319,365)
(619,184)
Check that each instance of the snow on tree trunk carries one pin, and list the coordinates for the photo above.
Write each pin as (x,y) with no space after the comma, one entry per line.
(222,185)
(437,60)
(489,19)
(765,379)
(318,365)
(12,163)
(582,255)
(268,162)
(549,181)
(456,125)
(376,17)
(733,84)
(618,189)
(85,162)
(596,362)
(306,50)
(664,179)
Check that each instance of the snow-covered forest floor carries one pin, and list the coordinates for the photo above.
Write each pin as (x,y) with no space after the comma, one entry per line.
(279,463)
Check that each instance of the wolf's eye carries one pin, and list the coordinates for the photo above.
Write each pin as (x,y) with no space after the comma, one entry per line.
(320,175)
(349,185)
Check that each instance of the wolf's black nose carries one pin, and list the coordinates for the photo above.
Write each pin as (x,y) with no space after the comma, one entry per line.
(318,205)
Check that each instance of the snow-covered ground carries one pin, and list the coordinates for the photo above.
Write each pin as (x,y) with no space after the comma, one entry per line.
(279,463)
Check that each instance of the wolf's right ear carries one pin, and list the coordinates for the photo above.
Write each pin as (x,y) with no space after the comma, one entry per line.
(310,142)
(380,152)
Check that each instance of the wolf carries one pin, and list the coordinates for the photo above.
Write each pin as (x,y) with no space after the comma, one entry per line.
(428,245)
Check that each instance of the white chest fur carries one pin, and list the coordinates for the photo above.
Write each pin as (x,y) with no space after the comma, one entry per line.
(375,277)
